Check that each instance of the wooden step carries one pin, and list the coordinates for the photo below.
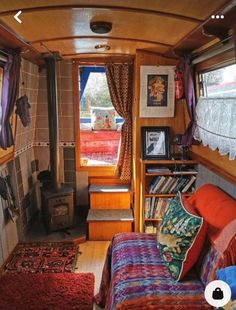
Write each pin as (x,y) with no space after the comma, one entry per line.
(110,196)
(103,223)
(95,215)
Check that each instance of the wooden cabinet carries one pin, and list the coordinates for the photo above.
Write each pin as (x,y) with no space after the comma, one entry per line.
(160,181)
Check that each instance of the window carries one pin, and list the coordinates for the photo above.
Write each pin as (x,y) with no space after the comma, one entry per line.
(220,82)
(216,110)
(100,124)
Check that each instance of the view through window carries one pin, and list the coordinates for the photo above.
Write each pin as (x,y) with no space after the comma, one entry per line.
(220,82)
(100,125)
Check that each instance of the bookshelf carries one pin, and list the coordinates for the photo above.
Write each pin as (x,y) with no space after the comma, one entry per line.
(160,181)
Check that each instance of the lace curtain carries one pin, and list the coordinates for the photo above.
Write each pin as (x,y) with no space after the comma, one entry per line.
(216,124)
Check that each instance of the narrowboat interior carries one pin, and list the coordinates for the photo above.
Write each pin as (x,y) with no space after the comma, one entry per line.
(117,154)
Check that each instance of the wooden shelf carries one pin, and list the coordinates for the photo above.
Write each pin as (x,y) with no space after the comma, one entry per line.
(169,162)
(166,195)
(160,195)
(170,173)
(185,170)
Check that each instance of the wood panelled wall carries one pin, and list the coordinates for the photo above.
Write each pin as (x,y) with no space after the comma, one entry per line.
(177,123)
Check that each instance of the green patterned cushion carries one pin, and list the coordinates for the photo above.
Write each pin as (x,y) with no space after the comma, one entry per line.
(180,237)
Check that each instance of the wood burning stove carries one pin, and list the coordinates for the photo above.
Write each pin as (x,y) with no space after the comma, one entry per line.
(57,199)
(58,208)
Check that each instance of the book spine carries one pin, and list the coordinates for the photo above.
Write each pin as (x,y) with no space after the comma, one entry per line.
(147,207)
(153,184)
(189,184)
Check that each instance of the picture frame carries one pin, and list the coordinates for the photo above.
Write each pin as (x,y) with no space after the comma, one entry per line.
(157,91)
(155,143)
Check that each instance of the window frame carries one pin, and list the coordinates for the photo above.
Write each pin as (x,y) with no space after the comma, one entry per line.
(93,171)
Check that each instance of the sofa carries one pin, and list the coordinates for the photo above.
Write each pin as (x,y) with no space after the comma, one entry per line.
(135,275)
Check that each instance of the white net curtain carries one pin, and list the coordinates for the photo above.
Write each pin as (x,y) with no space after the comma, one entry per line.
(216,124)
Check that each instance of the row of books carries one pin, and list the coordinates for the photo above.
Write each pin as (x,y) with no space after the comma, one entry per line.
(171,184)
(155,207)
(151,228)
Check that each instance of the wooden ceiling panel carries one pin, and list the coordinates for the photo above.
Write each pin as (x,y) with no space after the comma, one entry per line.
(152,25)
(192,8)
(47,25)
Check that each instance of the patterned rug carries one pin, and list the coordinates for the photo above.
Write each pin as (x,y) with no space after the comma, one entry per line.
(45,257)
(38,291)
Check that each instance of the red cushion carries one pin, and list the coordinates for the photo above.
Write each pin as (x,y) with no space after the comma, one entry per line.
(215,206)
(196,247)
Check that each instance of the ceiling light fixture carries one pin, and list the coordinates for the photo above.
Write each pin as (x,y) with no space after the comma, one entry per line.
(103,47)
(100,27)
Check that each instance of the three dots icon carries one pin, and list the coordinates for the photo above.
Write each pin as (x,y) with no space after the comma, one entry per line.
(217,16)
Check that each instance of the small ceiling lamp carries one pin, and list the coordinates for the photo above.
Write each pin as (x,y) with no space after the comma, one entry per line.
(103,47)
(100,27)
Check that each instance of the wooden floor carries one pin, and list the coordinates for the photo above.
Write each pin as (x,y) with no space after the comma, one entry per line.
(92,260)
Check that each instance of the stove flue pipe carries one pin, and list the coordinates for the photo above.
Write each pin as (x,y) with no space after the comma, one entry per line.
(53,118)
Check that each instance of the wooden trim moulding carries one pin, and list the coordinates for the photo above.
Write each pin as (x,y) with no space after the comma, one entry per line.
(6,158)
(102,59)
(102,38)
(12,40)
(106,57)
(214,168)
(75,82)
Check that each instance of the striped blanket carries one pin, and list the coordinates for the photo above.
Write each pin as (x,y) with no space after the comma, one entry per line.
(134,277)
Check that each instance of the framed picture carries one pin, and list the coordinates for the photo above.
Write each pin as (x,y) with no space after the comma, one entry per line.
(155,142)
(156,91)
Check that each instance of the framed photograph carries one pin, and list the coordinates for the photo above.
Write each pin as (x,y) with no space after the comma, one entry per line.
(157,91)
(155,142)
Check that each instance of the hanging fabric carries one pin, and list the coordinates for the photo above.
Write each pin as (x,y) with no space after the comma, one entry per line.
(22,109)
(120,84)
(179,87)
(216,126)
(189,94)
(6,193)
(11,77)
(22,103)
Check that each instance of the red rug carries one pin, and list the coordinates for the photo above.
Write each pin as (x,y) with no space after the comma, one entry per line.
(43,257)
(65,291)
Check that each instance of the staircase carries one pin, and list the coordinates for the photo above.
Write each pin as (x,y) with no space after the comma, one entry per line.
(110,211)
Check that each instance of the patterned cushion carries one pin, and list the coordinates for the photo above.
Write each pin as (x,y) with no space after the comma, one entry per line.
(181,237)
(103,118)
(209,261)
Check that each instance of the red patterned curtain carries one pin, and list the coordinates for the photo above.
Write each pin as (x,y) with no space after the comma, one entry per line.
(120,83)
